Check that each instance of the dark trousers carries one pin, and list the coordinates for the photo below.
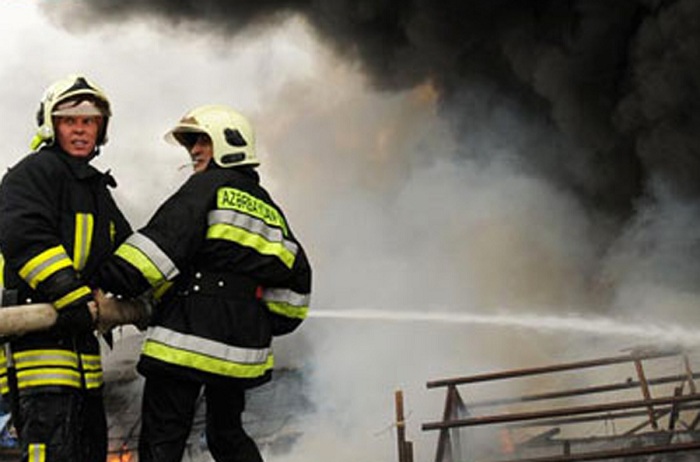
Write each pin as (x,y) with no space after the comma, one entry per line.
(66,427)
(167,412)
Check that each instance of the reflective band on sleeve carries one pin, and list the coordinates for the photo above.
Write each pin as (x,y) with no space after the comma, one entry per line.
(287,302)
(161,290)
(145,255)
(44,265)
(84,225)
(71,297)
(91,362)
(251,232)
(93,380)
(92,367)
(206,355)
(2,271)
(36,452)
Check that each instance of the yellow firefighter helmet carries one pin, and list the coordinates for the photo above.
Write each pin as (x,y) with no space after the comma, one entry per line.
(70,96)
(231,134)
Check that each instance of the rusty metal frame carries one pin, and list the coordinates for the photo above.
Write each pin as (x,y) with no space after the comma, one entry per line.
(650,410)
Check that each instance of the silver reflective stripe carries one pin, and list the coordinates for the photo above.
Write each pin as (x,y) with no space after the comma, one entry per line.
(36,452)
(252,225)
(93,380)
(286,296)
(48,377)
(91,362)
(83,239)
(208,347)
(159,258)
(56,375)
(43,357)
(45,264)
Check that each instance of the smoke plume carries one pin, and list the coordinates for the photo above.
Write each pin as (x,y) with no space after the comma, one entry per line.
(614,86)
(599,100)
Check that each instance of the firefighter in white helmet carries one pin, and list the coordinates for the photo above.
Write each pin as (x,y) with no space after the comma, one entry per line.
(58,221)
(229,273)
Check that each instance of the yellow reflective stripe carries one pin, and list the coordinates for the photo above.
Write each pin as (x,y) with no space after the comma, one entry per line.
(93,380)
(245,238)
(36,368)
(84,225)
(155,255)
(208,347)
(33,358)
(44,265)
(2,271)
(162,289)
(91,362)
(235,199)
(72,296)
(48,376)
(36,452)
(286,302)
(202,362)
(92,367)
(144,255)
(112,231)
(290,311)
(141,262)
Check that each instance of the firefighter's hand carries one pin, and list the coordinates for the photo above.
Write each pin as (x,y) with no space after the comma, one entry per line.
(106,307)
(116,312)
(74,320)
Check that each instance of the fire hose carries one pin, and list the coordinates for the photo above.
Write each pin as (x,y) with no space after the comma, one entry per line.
(108,312)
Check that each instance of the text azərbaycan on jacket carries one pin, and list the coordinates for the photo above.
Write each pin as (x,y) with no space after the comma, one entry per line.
(230,275)
(58,220)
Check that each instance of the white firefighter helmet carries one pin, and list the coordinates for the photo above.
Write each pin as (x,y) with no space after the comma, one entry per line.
(72,95)
(232,136)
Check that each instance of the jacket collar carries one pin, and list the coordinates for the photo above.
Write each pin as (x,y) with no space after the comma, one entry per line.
(245,170)
(80,167)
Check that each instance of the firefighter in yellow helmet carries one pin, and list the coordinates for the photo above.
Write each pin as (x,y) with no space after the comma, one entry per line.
(230,274)
(58,221)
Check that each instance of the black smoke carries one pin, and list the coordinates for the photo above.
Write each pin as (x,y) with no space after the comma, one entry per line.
(610,90)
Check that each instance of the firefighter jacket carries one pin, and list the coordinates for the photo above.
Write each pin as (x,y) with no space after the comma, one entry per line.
(232,273)
(58,221)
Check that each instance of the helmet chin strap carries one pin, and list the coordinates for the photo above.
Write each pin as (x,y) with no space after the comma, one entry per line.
(36,142)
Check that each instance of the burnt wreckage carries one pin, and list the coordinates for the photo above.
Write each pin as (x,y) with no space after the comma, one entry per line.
(640,406)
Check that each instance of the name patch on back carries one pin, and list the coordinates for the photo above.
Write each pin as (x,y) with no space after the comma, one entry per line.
(235,199)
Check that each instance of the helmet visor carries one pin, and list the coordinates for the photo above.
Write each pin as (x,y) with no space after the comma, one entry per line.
(78,107)
(184,135)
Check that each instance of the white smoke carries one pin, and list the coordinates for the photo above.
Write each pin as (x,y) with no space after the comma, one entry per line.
(392,218)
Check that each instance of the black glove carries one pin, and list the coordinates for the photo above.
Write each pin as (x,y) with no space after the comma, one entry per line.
(73,320)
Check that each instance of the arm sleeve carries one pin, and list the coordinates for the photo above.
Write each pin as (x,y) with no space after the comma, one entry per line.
(152,257)
(288,303)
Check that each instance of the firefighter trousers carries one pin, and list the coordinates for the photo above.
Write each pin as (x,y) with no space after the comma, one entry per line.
(67,426)
(167,414)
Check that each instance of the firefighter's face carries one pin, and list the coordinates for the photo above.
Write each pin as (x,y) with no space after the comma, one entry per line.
(77,135)
(201,151)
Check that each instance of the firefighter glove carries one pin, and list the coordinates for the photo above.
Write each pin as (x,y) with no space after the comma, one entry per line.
(74,320)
